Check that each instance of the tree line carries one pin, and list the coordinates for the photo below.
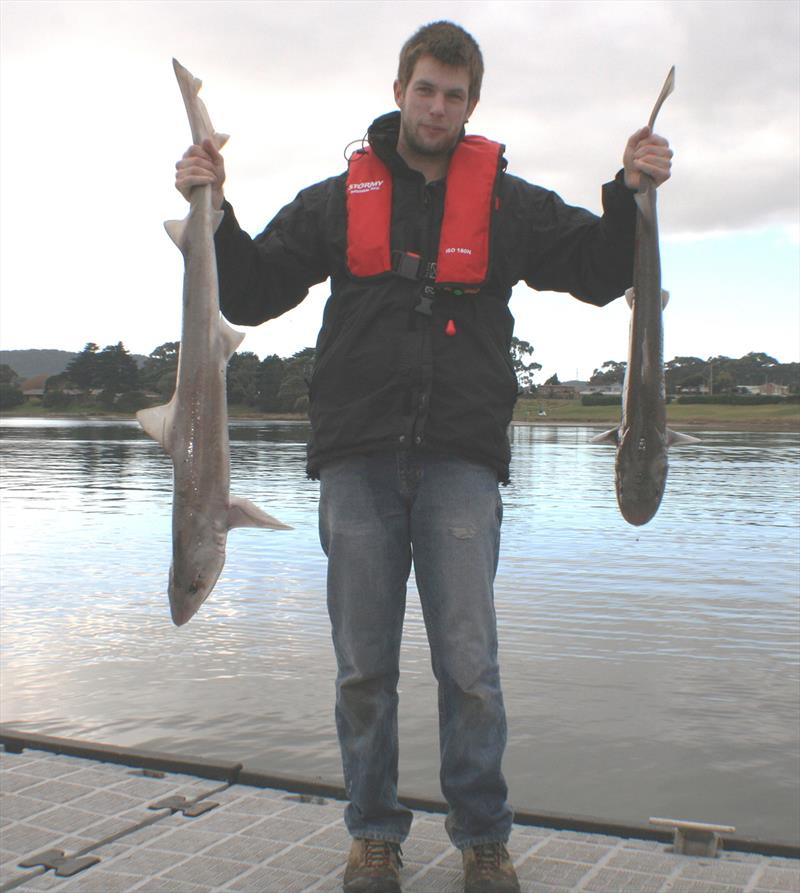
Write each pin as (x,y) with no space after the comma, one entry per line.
(719,375)
(112,379)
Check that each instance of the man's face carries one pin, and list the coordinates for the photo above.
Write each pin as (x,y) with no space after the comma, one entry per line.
(434,106)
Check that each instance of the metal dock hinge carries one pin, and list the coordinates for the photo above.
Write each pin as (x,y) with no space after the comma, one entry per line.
(188,808)
(695,838)
(65,866)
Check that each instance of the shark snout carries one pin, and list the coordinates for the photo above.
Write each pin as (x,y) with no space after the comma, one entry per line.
(640,487)
(186,597)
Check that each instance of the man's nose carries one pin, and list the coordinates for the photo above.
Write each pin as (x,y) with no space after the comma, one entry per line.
(437,104)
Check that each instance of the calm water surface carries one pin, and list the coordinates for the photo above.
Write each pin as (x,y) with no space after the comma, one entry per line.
(647,671)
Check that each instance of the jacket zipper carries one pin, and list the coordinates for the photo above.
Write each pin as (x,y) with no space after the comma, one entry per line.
(424,320)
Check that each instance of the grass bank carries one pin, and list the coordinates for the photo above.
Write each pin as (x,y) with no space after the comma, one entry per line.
(769,417)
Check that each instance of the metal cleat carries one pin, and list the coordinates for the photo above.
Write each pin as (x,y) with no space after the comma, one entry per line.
(695,838)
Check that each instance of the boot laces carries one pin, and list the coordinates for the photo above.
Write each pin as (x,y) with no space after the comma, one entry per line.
(489,855)
(381,853)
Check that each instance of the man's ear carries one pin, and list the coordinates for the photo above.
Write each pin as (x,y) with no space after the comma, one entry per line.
(398,93)
(470,109)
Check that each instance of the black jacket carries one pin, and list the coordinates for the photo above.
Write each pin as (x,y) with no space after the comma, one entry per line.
(387,376)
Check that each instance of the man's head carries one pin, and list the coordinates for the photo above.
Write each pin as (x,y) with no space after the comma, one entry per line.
(448,44)
(437,88)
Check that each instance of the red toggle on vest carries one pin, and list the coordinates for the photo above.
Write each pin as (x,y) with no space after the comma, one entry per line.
(463,257)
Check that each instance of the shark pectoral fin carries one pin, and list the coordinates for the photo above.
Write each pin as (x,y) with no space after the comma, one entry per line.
(630,294)
(610,436)
(242,513)
(176,230)
(220,139)
(664,298)
(675,439)
(157,423)
(231,339)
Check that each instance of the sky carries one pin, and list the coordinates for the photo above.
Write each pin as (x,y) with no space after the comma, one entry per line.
(92,122)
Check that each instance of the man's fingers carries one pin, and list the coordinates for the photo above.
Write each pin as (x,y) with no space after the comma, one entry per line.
(195,151)
(201,165)
(205,155)
(198,165)
(187,178)
(212,150)
(647,153)
(659,167)
(195,156)
(655,153)
(653,159)
(636,138)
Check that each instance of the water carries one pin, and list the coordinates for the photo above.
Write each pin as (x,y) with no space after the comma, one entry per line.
(647,671)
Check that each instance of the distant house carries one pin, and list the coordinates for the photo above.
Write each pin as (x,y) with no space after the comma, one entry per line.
(697,389)
(566,391)
(607,389)
(764,390)
(34,387)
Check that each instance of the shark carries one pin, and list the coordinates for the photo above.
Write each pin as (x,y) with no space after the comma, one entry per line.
(642,437)
(193,426)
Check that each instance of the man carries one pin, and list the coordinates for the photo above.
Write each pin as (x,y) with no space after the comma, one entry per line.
(411,395)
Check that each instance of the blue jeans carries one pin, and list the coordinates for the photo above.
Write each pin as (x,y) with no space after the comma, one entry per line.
(377,515)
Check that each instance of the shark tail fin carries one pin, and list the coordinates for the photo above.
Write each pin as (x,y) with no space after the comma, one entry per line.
(157,423)
(675,439)
(242,513)
(610,436)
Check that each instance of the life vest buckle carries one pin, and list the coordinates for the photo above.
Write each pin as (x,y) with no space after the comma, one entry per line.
(425,304)
(406,264)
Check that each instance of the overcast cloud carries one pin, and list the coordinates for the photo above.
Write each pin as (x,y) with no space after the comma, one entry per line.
(92,123)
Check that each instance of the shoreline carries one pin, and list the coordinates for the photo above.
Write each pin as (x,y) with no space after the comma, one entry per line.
(561,413)
(778,425)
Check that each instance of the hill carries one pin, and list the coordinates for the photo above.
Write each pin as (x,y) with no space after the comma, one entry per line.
(28,363)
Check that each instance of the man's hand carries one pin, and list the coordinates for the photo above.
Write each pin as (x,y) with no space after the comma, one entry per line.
(200,166)
(646,153)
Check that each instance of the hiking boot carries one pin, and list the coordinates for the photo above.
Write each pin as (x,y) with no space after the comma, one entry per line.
(373,866)
(488,869)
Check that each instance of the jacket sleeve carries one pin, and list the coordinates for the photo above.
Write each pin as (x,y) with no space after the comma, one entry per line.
(569,249)
(262,277)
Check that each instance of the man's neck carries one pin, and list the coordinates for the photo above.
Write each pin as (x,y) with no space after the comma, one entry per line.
(432,167)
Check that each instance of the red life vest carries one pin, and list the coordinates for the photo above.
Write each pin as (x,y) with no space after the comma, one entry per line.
(463,257)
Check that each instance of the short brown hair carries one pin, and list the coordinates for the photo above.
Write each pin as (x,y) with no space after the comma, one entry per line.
(447,43)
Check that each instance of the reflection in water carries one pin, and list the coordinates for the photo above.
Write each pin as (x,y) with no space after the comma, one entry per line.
(646,670)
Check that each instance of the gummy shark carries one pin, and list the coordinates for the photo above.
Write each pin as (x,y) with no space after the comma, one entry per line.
(642,437)
(193,426)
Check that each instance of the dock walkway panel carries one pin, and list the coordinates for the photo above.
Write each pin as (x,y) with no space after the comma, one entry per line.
(210,836)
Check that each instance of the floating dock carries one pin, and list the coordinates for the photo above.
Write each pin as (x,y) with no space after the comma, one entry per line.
(99,819)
